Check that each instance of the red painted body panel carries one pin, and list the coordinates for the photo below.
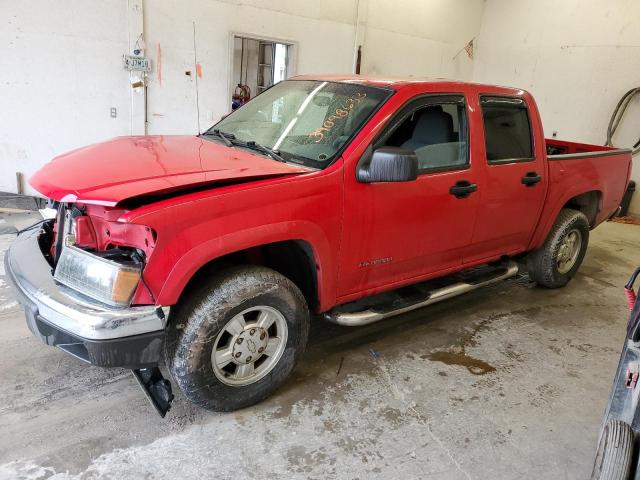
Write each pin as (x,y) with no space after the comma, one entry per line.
(417,226)
(608,175)
(202,226)
(509,211)
(125,167)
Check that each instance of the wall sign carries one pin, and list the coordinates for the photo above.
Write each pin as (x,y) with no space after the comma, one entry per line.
(136,64)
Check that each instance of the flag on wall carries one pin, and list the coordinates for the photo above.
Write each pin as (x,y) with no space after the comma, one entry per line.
(469,49)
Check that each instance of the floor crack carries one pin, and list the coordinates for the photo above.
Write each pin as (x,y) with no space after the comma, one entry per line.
(418,416)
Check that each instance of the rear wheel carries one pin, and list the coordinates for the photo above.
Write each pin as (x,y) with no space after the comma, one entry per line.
(236,339)
(558,260)
(615,452)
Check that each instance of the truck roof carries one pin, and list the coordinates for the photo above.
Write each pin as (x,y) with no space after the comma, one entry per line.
(396,83)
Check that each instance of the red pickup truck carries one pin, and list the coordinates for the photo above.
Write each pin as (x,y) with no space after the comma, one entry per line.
(345,197)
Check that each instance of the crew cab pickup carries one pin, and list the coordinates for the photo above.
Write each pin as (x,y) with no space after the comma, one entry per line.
(344,198)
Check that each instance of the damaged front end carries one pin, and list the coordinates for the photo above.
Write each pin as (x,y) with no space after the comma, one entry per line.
(80,279)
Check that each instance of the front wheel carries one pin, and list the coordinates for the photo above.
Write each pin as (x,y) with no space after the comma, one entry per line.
(237,338)
(558,260)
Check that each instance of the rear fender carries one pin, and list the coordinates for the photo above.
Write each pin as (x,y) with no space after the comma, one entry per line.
(552,210)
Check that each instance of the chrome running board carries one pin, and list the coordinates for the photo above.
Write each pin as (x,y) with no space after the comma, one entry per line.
(394,303)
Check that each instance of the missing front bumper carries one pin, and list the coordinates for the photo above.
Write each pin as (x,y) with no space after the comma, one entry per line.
(108,337)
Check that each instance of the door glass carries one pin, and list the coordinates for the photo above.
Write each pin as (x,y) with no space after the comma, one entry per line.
(507,129)
(437,132)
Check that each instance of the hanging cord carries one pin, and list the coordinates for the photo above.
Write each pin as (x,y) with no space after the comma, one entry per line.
(628,289)
(246,70)
(241,60)
(30,227)
(616,118)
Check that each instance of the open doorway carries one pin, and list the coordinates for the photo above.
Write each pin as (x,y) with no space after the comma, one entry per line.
(257,65)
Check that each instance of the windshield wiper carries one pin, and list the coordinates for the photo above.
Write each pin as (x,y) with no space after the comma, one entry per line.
(229,140)
(225,137)
(266,150)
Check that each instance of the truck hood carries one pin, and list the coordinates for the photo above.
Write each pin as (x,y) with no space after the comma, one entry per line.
(126,167)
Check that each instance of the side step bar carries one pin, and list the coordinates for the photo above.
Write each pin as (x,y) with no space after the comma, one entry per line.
(421,295)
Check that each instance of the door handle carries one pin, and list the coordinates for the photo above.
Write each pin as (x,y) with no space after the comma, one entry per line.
(463,188)
(530,179)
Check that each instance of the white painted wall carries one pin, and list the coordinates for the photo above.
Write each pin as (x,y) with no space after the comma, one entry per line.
(60,73)
(420,38)
(577,57)
(323,34)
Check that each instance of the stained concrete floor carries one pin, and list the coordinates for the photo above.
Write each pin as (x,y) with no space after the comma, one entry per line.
(507,382)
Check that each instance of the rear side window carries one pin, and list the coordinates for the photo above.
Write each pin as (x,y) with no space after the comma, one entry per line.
(507,129)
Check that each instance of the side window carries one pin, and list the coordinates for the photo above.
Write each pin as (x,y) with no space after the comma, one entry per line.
(436,129)
(507,129)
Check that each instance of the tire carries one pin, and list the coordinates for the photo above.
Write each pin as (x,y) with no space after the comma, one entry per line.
(615,452)
(209,316)
(547,266)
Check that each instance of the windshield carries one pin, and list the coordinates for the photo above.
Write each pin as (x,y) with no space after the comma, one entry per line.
(304,121)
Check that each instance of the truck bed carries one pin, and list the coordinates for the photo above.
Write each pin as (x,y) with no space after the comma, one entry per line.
(561,149)
(580,168)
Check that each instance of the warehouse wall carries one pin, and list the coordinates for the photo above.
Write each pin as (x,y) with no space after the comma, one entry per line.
(60,73)
(324,36)
(420,38)
(577,57)
(322,31)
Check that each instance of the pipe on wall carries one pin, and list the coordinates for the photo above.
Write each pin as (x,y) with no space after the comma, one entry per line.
(360,34)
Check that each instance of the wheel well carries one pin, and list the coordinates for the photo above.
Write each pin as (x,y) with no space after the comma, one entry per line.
(292,258)
(588,203)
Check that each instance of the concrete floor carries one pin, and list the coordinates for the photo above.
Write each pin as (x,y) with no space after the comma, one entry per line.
(507,382)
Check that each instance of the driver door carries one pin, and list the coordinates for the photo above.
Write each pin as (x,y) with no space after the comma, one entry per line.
(398,233)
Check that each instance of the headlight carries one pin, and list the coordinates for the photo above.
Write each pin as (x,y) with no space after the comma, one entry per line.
(104,280)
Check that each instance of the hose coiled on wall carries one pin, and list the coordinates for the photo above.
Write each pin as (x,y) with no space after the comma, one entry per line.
(628,289)
(616,118)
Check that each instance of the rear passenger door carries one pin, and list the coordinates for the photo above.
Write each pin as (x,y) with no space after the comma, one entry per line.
(513,190)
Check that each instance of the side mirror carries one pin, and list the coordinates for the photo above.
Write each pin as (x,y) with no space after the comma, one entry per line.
(389,164)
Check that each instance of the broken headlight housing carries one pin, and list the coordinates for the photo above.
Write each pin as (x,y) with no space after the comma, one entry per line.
(102,279)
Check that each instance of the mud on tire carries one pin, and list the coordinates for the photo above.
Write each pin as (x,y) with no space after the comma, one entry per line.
(201,320)
(543,264)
